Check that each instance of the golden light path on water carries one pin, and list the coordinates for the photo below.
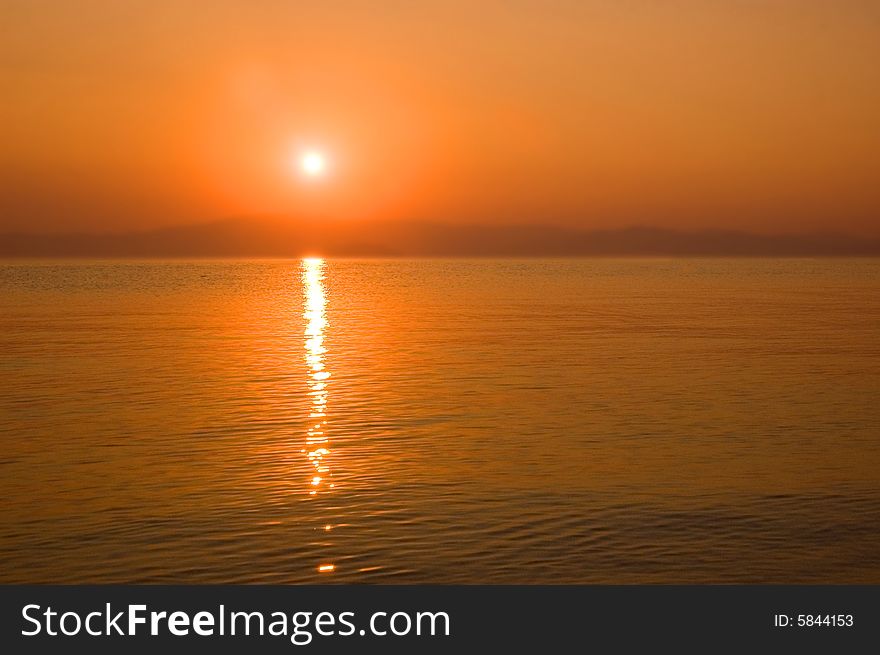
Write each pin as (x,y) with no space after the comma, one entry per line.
(317,443)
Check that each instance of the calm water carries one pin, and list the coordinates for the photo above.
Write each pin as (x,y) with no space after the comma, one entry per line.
(440,421)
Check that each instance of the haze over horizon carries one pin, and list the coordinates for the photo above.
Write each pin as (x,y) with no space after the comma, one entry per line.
(748,116)
(279,237)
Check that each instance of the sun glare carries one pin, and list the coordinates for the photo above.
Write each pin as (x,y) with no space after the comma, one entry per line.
(312,163)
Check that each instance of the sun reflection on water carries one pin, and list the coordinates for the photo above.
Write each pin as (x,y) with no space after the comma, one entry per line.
(316,321)
(317,443)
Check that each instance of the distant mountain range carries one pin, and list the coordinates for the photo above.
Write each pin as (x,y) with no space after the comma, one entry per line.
(277,238)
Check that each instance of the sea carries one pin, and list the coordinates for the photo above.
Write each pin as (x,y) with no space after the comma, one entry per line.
(527,421)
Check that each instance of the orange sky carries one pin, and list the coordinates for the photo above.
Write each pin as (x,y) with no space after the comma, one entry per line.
(760,115)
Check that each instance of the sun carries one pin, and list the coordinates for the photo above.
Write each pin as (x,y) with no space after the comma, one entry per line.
(313,163)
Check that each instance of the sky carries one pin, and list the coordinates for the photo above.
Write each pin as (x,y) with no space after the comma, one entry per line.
(756,115)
